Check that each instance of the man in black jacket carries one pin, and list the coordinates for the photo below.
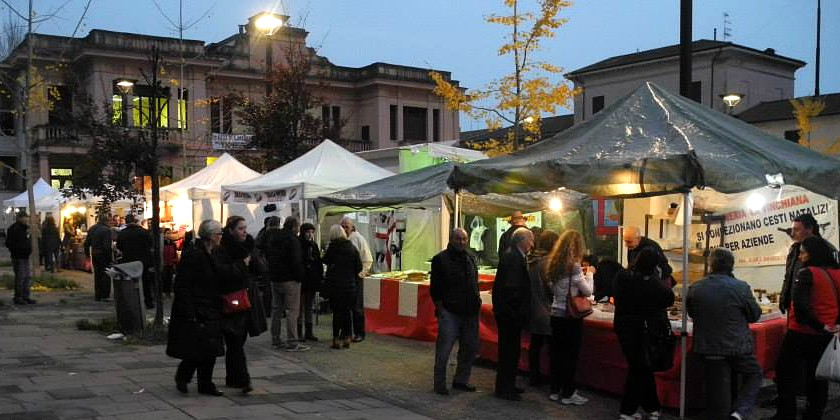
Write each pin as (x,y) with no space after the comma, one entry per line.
(635,243)
(20,246)
(517,220)
(454,291)
(804,226)
(135,244)
(98,246)
(285,269)
(511,308)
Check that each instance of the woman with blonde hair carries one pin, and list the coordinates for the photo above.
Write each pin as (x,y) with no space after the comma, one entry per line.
(343,267)
(566,278)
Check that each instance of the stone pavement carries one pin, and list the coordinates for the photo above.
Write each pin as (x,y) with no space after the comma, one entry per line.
(50,370)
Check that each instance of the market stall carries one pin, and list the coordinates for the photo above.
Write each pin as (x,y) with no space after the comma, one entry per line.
(290,189)
(198,196)
(47,198)
(654,143)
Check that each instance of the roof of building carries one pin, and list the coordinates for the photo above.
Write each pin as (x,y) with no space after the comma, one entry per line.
(549,126)
(673,51)
(782,109)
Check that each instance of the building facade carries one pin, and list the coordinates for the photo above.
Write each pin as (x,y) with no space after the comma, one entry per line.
(718,68)
(376,106)
(777,118)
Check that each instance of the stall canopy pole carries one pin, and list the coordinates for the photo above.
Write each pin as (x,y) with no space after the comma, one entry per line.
(222,210)
(687,210)
(192,225)
(457,208)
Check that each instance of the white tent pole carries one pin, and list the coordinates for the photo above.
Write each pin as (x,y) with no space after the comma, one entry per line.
(222,210)
(457,208)
(192,207)
(687,210)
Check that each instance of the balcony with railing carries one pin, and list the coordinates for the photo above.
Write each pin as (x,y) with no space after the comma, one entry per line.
(227,141)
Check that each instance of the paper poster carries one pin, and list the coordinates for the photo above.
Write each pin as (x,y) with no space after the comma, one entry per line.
(407,300)
(372,290)
(757,238)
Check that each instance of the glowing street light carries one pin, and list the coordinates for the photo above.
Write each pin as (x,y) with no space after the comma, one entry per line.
(756,202)
(268,23)
(125,85)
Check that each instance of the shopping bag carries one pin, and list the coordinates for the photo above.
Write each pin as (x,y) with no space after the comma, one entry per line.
(829,367)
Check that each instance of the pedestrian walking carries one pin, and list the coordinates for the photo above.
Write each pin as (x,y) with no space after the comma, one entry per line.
(313,275)
(567,280)
(285,265)
(812,320)
(98,246)
(540,323)
(135,244)
(20,248)
(641,298)
(512,310)
(233,258)
(170,262)
(195,325)
(51,243)
(454,291)
(722,308)
(341,283)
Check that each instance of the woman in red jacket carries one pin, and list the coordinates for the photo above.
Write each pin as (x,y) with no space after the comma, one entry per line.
(812,320)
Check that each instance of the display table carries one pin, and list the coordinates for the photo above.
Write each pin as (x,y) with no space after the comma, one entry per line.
(601,364)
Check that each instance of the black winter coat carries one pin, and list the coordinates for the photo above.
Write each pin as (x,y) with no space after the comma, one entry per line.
(343,267)
(50,240)
(283,254)
(98,242)
(512,289)
(233,276)
(195,331)
(640,300)
(645,242)
(17,240)
(313,268)
(454,282)
(135,244)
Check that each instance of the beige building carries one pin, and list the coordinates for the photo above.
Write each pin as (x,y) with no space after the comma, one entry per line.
(376,106)
(776,117)
(718,68)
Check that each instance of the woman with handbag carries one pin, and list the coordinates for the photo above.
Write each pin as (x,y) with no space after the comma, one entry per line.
(571,287)
(539,326)
(641,298)
(812,321)
(343,267)
(195,334)
(233,258)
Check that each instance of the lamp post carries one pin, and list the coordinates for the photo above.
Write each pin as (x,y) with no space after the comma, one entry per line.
(125,87)
(268,24)
(731,100)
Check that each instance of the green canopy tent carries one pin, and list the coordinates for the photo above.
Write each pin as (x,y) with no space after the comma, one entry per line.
(653,142)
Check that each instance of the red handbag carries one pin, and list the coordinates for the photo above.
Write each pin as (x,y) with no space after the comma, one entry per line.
(577,307)
(236,302)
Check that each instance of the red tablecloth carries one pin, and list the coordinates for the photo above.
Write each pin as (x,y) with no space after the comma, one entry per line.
(601,365)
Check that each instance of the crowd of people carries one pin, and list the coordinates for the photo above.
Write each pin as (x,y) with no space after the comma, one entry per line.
(225,278)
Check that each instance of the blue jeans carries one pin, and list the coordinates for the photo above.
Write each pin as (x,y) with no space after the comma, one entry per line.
(23,277)
(452,327)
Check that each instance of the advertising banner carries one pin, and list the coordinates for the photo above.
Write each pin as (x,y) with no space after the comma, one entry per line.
(759,237)
(279,195)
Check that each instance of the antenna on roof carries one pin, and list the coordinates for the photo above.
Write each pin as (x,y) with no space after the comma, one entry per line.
(727,28)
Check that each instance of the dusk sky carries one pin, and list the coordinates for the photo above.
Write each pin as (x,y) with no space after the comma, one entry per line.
(452,35)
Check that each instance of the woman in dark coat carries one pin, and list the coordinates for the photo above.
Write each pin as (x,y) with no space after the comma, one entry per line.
(540,323)
(195,333)
(343,268)
(51,243)
(641,300)
(312,277)
(233,258)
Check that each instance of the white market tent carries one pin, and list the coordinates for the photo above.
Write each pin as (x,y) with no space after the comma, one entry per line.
(197,196)
(325,169)
(47,198)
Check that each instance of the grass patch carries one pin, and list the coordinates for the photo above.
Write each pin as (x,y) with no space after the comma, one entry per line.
(43,283)
(151,336)
(5,263)
(105,326)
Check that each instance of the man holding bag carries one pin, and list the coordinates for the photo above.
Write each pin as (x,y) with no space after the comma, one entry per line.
(722,308)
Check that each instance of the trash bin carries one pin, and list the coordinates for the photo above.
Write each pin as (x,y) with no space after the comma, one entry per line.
(128,295)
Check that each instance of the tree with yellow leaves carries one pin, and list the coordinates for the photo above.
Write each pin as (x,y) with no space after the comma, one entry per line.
(804,111)
(522,96)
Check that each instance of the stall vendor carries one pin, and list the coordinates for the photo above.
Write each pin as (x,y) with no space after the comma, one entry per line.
(635,242)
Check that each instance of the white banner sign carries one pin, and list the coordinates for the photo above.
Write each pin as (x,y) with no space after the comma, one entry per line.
(223,141)
(757,237)
(280,195)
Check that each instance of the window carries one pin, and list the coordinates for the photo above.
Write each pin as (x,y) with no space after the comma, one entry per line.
(183,98)
(415,123)
(325,114)
(435,125)
(227,117)
(216,115)
(366,132)
(696,91)
(118,117)
(61,104)
(336,117)
(597,104)
(393,122)
(135,108)
(7,114)
(61,177)
(792,135)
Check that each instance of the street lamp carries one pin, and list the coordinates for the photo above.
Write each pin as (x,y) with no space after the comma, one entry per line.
(124,86)
(731,100)
(268,23)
